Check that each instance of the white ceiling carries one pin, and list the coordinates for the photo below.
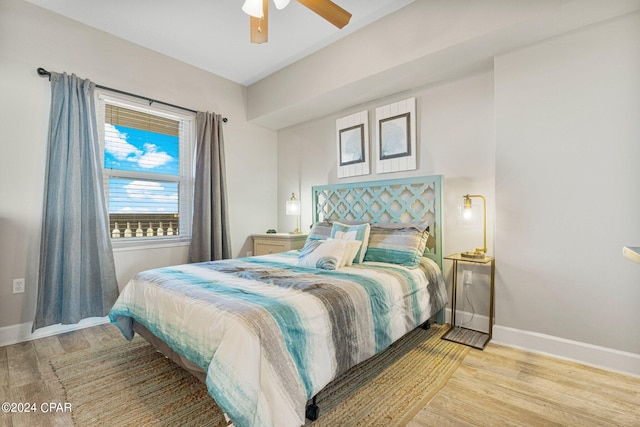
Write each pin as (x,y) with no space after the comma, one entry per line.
(214,34)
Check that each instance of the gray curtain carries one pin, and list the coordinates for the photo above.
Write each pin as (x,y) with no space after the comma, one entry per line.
(210,239)
(77,274)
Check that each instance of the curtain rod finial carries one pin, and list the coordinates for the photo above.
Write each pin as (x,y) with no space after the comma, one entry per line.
(42,73)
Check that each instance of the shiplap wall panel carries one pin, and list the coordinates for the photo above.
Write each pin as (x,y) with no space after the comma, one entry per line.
(360,168)
(397,163)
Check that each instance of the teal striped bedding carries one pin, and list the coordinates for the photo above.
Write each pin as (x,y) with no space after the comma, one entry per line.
(270,334)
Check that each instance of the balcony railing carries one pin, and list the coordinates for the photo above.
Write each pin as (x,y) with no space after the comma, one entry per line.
(138,225)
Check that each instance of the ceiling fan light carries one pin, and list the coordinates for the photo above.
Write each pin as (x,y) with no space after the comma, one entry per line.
(253,8)
(281,4)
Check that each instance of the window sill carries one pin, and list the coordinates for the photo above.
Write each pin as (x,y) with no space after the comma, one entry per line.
(137,245)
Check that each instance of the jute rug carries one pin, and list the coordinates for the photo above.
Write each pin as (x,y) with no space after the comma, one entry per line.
(131,384)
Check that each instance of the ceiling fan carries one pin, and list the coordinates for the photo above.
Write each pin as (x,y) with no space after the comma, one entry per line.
(258,10)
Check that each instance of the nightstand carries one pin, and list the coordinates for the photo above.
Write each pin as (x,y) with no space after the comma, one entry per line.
(459,334)
(265,243)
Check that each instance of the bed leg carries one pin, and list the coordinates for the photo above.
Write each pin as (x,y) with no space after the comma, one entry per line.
(426,325)
(312,410)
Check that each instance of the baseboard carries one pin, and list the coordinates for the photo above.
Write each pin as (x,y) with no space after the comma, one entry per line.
(22,332)
(588,354)
(468,320)
(575,351)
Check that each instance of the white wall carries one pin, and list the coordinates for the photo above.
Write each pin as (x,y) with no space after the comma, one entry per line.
(423,43)
(567,175)
(32,37)
(407,45)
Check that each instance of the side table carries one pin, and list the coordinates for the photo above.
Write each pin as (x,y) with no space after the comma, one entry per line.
(459,334)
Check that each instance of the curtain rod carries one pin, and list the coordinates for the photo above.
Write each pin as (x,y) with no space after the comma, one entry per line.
(44,73)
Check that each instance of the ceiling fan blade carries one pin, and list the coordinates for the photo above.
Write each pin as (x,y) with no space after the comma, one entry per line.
(329,11)
(260,26)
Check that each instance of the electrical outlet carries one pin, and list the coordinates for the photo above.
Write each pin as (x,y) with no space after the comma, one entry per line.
(467,277)
(18,286)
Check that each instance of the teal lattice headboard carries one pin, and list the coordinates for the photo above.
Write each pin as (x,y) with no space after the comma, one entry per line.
(395,200)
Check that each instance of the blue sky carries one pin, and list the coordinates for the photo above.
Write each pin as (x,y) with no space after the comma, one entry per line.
(136,150)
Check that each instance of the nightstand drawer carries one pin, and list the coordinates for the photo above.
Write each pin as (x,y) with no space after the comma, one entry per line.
(263,248)
(264,244)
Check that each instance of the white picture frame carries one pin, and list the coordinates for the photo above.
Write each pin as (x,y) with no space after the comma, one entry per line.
(396,137)
(352,143)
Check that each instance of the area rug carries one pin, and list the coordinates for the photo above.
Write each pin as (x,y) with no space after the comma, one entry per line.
(125,383)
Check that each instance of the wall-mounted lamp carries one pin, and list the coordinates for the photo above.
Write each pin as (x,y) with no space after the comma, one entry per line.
(293,208)
(479,252)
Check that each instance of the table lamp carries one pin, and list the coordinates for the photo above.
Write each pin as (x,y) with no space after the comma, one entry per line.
(479,253)
(293,208)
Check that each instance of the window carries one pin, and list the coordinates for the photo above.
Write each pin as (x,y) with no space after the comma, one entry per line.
(148,178)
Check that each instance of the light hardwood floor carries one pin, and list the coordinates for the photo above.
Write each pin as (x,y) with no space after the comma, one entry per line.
(496,387)
(503,386)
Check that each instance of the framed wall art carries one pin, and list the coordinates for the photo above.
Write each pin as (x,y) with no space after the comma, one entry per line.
(396,137)
(352,137)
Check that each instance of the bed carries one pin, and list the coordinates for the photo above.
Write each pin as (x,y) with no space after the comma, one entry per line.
(267,333)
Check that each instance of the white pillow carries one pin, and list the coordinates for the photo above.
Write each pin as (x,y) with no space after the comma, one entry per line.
(325,254)
(352,248)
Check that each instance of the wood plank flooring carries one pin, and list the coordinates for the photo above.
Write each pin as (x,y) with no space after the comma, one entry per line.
(25,374)
(499,386)
(503,386)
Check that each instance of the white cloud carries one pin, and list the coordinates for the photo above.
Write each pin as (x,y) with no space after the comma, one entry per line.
(150,190)
(115,143)
(152,157)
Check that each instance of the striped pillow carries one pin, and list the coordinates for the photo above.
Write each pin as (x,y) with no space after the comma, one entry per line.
(358,232)
(402,244)
(320,231)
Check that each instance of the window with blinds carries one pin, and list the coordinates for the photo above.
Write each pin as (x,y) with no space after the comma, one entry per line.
(147,154)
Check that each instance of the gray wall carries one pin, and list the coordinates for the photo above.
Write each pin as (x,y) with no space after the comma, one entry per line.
(567,150)
(32,37)
(455,139)
(550,134)
(534,104)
